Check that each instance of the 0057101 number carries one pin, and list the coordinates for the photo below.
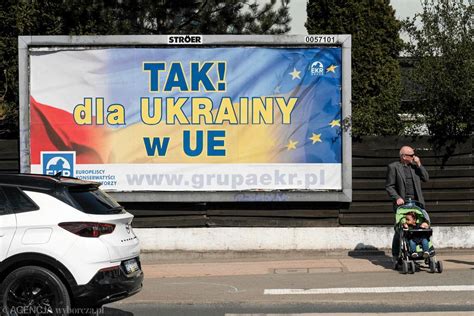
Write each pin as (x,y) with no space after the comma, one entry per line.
(320,39)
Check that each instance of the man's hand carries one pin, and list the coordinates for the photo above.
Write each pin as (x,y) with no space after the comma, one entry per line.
(417,160)
(400,201)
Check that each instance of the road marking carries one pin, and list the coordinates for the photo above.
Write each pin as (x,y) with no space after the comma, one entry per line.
(445,288)
(233,289)
(444,313)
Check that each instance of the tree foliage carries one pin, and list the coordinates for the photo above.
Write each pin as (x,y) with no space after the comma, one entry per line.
(441,48)
(376,45)
(111,17)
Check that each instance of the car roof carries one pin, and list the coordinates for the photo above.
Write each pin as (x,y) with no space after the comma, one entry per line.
(43,181)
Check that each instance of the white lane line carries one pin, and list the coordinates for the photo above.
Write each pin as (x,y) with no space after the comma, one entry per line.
(404,289)
(443,313)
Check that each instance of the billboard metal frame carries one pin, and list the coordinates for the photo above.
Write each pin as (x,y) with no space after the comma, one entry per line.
(26,43)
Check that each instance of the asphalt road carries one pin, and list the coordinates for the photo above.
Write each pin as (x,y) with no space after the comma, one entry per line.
(248,294)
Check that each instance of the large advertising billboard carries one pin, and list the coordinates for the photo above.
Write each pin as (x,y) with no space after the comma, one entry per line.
(189,118)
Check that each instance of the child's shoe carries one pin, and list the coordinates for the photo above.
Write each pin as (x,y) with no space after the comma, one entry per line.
(426,254)
(414,255)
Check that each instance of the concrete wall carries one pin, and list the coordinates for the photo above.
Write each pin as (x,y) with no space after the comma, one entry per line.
(313,238)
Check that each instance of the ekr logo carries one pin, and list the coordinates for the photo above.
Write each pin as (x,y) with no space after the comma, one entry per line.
(317,68)
(53,162)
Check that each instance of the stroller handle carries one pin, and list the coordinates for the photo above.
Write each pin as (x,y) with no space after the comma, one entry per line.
(411,202)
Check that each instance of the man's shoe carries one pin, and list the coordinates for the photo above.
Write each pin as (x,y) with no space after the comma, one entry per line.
(395,263)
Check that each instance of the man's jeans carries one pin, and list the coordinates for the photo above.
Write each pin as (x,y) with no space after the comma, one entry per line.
(424,244)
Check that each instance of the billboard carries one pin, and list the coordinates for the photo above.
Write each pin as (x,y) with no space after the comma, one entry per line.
(196,118)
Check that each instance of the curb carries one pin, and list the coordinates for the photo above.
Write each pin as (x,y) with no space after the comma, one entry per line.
(170,256)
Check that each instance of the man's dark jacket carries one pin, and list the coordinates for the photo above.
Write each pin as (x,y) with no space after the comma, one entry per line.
(395,182)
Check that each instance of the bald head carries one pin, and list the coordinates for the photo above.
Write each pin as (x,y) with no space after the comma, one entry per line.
(406,150)
(406,154)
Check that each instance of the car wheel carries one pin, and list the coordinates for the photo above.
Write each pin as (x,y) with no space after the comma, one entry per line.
(33,290)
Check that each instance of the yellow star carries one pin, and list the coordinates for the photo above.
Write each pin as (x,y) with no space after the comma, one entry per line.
(316,138)
(291,145)
(331,68)
(335,123)
(295,74)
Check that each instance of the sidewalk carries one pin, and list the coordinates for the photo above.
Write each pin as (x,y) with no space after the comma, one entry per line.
(191,264)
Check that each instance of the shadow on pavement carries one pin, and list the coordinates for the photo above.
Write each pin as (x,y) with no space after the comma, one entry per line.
(115,312)
(470,263)
(372,254)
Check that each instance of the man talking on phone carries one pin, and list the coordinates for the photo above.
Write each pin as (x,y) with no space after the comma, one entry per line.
(403,182)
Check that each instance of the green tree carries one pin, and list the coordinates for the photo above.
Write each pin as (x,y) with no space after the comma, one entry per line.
(17,17)
(442,51)
(376,45)
(240,17)
(111,17)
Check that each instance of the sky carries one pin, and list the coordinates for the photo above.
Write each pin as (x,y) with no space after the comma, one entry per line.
(403,9)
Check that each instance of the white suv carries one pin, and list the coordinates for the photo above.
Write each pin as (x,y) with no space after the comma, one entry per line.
(63,244)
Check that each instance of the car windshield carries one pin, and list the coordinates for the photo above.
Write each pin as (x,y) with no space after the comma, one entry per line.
(95,201)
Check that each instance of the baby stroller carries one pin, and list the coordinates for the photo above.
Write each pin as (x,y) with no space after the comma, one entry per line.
(408,262)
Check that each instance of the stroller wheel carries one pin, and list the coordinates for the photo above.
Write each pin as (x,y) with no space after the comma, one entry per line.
(412,267)
(404,267)
(440,267)
(433,265)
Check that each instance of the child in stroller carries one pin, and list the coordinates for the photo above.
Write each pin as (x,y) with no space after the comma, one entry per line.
(413,241)
(412,223)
